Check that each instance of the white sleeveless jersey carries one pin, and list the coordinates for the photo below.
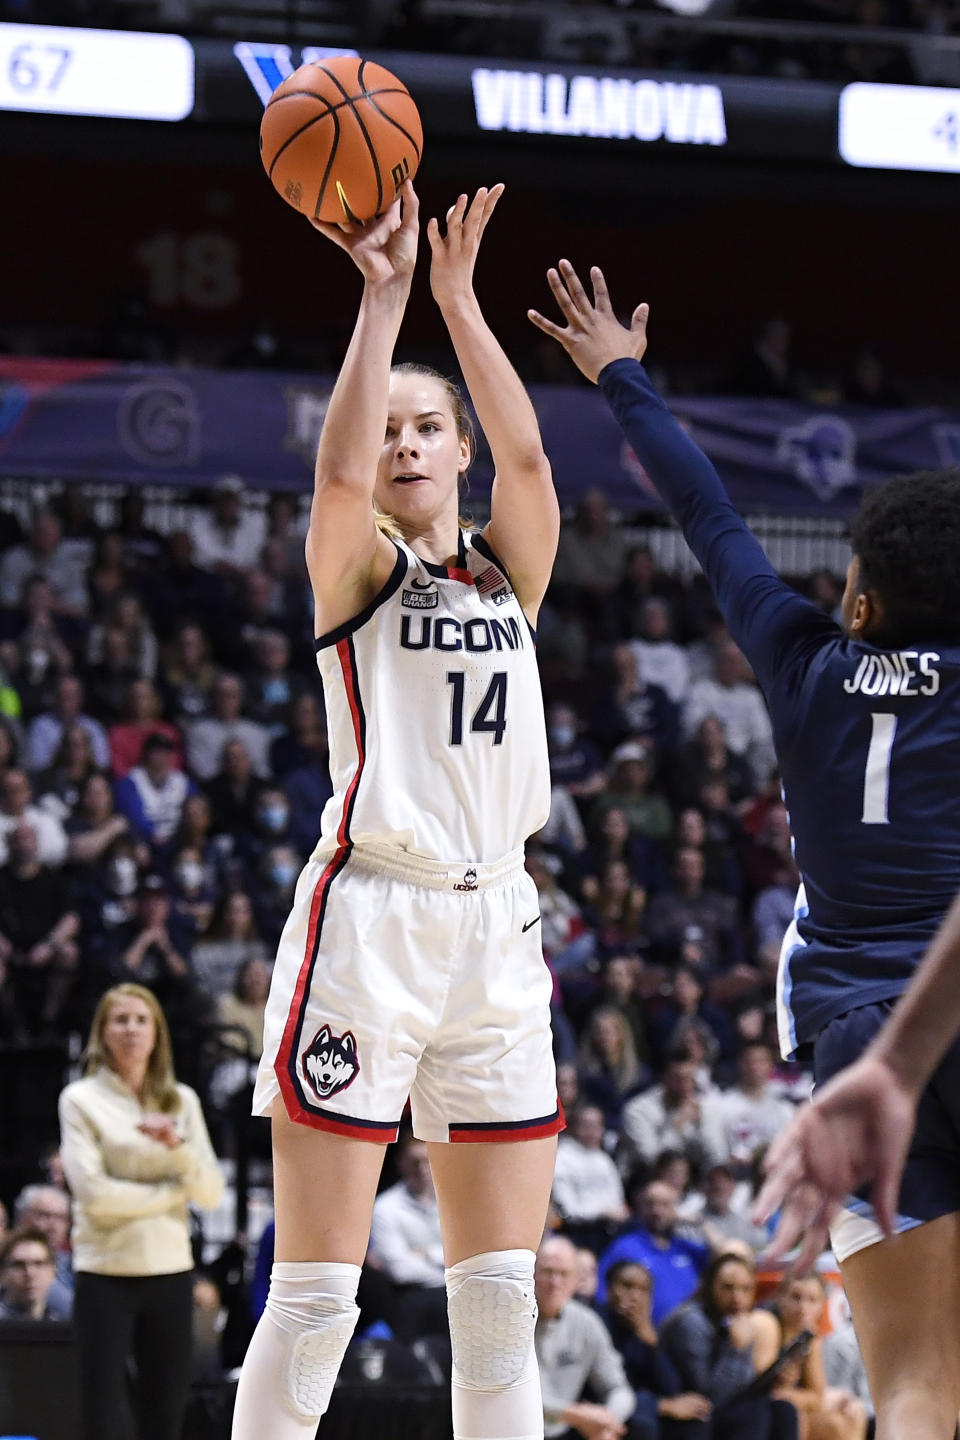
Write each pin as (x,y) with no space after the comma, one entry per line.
(435,714)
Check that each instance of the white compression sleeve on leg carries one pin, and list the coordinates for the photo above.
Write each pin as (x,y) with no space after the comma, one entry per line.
(496,1383)
(296,1351)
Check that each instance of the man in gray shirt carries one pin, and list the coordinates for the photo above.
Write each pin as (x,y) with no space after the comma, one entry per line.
(574,1349)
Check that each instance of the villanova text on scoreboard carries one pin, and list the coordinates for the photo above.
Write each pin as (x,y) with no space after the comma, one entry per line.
(599,106)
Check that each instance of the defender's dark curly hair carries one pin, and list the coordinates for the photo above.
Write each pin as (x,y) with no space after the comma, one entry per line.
(907,539)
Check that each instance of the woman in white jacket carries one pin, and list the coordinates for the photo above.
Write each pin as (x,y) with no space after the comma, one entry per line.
(136,1154)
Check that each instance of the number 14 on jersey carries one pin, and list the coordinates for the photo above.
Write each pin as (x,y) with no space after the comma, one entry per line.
(490,716)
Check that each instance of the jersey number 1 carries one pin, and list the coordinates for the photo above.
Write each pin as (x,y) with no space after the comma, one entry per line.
(876,781)
(490,715)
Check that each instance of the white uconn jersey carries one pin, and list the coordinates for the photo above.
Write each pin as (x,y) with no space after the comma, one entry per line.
(435,715)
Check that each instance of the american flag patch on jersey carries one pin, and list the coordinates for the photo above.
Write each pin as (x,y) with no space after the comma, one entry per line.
(488,580)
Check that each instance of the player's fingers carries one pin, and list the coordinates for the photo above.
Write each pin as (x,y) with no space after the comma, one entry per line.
(489,205)
(433,233)
(575,286)
(561,294)
(409,203)
(799,1210)
(456,212)
(780,1180)
(814,1244)
(332,232)
(784,1238)
(556,332)
(639,318)
(886,1185)
(601,295)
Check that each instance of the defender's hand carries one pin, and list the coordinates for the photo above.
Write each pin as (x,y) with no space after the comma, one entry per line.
(856,1129)
(593,336)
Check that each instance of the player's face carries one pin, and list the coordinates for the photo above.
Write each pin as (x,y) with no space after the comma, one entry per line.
(422,456)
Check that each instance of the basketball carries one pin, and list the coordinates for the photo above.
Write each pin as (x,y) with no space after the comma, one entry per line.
(339,138)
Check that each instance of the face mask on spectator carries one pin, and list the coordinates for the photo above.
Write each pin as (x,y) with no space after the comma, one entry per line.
(282,874)
(274,817)
(563,735)
(123,875)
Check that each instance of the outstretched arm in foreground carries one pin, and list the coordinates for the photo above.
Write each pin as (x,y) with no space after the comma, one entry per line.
(767,618)
(858,1128)
(524,514)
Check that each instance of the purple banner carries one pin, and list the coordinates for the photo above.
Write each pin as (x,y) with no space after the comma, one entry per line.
(96,420)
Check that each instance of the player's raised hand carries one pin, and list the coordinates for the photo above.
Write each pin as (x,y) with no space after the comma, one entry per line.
(593,335)
(384,249)
(455,252)
(855,1131)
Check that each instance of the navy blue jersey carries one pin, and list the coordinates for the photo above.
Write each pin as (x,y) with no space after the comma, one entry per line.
(868,742)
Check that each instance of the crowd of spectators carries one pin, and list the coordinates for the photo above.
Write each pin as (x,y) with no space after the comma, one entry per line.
(163,767)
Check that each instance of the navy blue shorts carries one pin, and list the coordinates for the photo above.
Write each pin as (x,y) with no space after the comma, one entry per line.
(931,1177)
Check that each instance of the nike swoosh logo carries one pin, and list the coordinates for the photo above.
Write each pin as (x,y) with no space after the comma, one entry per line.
(530,924)
(422,584)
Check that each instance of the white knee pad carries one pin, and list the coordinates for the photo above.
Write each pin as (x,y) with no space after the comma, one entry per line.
(492,1314)
(314,1306)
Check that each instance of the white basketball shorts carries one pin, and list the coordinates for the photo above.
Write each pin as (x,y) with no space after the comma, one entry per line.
(398,977)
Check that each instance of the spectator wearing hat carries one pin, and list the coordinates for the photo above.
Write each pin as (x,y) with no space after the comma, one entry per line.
(630,790)
(226,537)
(153,795)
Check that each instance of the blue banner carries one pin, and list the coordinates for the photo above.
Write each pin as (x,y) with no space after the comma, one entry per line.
(97,420)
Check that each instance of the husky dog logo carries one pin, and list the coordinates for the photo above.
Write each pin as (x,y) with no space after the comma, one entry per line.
(469,881)
(330,1062)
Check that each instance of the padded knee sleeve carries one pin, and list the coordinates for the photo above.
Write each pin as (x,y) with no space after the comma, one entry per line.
(297,1349)
(492,1317)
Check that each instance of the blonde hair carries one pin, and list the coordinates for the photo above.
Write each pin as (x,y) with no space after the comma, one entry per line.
(160,1085)
(625,1072)
(386,523)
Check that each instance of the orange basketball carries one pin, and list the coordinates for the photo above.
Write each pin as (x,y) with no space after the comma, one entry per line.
(339,138)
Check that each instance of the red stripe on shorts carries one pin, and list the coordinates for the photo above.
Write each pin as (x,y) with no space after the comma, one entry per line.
(282,1063)
(377,1134)
(514,1130)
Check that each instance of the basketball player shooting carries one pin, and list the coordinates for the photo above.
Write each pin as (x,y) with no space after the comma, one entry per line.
(866,720)
(411,962)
